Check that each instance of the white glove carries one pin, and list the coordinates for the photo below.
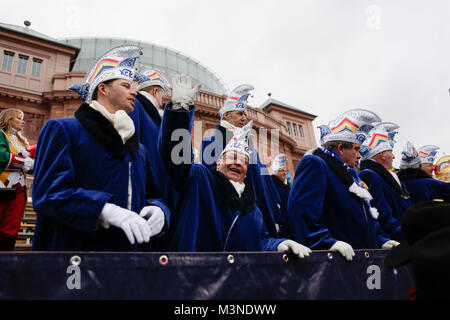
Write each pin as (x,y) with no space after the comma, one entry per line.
(134,226)
(344,249)
(294,247)
(155,218)
(28,164)
(390,244)
(183,94)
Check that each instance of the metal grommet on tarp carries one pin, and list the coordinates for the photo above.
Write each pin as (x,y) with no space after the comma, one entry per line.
(230,259)
(285,257)
(163,259)
(366,254)
(330,255)
(75,260)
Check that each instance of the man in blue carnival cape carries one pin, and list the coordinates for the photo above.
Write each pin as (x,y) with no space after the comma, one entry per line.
(329,207)
(233,117)
(93,185)
(390,196)
(279,178)
(148,109)
(421,185)
(217,209)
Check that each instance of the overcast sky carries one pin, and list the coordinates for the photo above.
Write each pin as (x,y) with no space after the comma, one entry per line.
(322,56)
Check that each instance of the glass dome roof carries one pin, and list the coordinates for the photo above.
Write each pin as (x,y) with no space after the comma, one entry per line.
(164,60)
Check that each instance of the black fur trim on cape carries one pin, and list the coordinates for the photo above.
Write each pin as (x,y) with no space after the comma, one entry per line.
(277,181)
(378,168)
(149,108)
(336,166)
(245,203)
(412,173)
(104,133)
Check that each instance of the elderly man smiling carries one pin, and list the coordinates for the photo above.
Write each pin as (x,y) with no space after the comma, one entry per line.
(217,210)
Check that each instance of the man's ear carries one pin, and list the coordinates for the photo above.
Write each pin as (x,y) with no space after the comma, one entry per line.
(101,88)
(339,149)
(154,91)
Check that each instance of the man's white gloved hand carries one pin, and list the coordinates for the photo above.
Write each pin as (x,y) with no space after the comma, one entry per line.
(134,226)
(183,94)
(294,247)
(390,244)
(344,249)
(28,164)
(155,218)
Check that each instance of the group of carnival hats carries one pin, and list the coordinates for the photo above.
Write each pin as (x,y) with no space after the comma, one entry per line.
(237,101)
(362,127)
(365,128)
(118,63)
(411,157)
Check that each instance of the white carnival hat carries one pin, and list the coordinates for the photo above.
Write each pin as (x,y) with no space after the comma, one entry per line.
(351,126)
(239,142)
(380,138)
(410,156)
(237,101)
(151,78)
(279,162)
(428,153)
(116,63)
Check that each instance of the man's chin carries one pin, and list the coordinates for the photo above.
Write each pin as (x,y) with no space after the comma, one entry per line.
(129,108)
(234,178)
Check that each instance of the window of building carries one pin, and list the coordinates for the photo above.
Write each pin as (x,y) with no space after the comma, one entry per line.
(36,67)
(300,131)
(294,126)
(22,64)
(8,58)
(288,125)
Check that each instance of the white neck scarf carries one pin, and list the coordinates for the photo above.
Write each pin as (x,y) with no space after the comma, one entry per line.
(152,99)
(239,187)
(120,120)
(229,126)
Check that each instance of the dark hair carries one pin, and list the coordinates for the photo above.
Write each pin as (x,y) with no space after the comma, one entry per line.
(333,145)
(95,94)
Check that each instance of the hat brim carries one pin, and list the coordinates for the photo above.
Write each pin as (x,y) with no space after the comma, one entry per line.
(398,255)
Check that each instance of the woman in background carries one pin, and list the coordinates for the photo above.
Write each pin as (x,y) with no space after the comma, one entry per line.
(15,161)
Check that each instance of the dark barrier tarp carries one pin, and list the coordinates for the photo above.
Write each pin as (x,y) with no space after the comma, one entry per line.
(188,276)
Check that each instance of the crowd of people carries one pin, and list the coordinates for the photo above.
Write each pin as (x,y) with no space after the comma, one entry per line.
(114,178)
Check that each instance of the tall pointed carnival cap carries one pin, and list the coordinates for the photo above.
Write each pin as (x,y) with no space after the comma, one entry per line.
(239,142)
(116,63)
(238,99)
(380,138)
(410,156)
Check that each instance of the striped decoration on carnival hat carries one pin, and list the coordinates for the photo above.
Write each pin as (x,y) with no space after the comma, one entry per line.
(152,78)
(351,126)
(428,153)
(116,63)
(380,138)
(237,101)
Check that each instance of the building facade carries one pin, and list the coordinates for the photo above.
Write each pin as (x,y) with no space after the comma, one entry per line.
(36,70)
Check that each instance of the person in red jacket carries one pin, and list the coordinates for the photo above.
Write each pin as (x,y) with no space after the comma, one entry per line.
(15,161)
